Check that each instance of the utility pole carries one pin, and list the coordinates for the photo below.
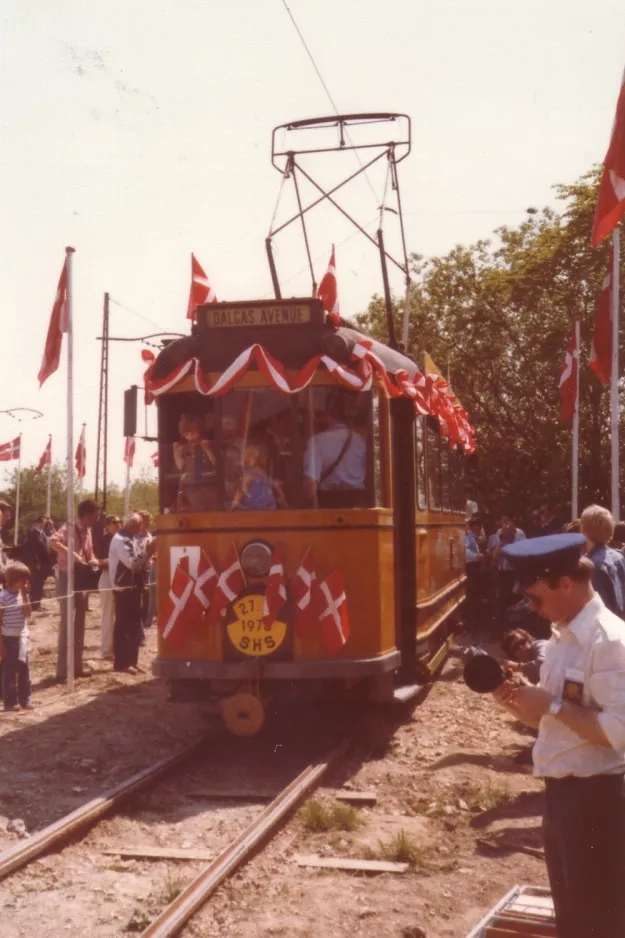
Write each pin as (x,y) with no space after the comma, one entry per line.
(103,409)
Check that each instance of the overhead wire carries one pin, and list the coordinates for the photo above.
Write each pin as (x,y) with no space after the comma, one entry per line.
(138,315)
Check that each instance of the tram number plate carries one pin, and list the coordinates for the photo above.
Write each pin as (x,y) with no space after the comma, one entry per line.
(247,631)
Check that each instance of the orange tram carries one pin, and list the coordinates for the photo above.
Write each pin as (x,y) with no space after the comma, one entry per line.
(311,535)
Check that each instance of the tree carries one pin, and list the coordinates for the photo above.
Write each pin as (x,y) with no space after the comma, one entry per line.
(500,313)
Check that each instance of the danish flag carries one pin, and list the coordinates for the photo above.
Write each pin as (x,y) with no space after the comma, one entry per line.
(56,328)
(303,590)
(328,293)
(205,584)
(201,290)
(176,616)
(10,450)
(229,585)
(568,379)
(80,457)
(46,456)
(275,594)
(601,351)
(611,200)
(333,612)
(129,451)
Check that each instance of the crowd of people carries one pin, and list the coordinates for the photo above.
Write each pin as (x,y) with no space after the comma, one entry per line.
(113,557)
(494,602)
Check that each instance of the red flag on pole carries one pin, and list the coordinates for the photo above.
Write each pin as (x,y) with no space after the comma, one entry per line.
(327,292)
(175,618)
(80,458)
(275,594)
(601,351)
(333,612)
(129,451)
(568,379)
(201,290)
(611,200)
(303,591)
(204,585)
(46,457)
(10,450)
(230,583)
(56,328)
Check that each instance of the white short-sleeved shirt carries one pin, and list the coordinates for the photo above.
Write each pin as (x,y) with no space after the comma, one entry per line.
(13,620)
(325,447)
(495,541)
(125,550)
(585,658)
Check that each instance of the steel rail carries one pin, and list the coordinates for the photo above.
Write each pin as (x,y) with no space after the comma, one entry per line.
(172,918)
(62,830)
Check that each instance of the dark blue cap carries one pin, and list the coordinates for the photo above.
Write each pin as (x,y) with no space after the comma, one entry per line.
(542,556)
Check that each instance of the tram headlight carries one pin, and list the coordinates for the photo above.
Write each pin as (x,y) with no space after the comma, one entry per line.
(256,558)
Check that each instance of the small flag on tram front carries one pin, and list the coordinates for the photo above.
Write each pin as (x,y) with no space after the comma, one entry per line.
(175,618)
(568,379)
(46,457)
(80,457)
(275,593)
(333,612)
(303,590)
(601,351)
(129,451)
(56,328)
(201,290)
(230,583)
(328,292)
(611,200)
(204,585)
(10,450)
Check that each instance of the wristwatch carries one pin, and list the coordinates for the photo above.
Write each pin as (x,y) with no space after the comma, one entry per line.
(555,707)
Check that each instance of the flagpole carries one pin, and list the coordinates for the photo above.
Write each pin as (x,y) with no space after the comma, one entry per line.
(17,490)
(127,493)
(70,477)
(575,442)
(49,493)
(614,392)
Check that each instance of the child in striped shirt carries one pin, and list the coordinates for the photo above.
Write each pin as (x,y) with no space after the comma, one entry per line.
(14,611)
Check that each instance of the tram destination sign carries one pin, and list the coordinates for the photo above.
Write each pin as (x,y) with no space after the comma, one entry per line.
(275,313)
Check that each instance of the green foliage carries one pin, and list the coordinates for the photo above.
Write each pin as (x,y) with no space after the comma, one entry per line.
(500,314)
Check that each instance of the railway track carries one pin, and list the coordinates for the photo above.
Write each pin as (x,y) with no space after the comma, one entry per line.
(84,836)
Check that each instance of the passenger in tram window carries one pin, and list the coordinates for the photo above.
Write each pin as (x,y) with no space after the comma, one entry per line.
(232,450)
(194,458)
(335,457)
(257,492)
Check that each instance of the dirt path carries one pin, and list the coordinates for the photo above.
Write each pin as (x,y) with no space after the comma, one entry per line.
(451,798)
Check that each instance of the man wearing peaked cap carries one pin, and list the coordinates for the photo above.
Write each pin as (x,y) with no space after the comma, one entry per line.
(579,710)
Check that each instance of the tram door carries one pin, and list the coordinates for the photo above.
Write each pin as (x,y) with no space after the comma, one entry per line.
(404,487)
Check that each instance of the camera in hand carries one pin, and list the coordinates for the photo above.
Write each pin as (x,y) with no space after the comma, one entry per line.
(482,673)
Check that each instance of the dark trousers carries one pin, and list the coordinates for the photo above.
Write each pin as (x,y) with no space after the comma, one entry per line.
(37,579)
(584,831)
(127,631)
(80,610)
(15,675)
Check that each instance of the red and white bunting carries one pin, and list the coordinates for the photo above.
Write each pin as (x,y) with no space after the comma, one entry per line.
(10,450)
(56,327)
(80,457)
(333,613)
(229,585)
(154,458)
(303,589)
(129,451)
(175,618)
(568,379)
(275,593)
(201,291)
(328,292)
(205,583)
(601,350)
(46,457)
(430,394)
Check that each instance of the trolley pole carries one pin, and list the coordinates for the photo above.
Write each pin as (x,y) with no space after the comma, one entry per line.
(102,444)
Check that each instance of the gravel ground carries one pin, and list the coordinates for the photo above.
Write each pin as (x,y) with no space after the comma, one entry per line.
(451,797)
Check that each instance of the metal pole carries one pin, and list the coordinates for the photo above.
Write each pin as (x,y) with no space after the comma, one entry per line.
(49,493)
(614,395)
(127,493)
(575,442)
(272,268)
(102,442)
(70,478)
(406,322)
(17,491)
(392,339)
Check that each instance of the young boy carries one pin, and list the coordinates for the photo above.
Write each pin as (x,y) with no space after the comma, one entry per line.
(15,609)
(527,653)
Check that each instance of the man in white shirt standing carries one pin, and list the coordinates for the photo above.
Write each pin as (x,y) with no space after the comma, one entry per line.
(579,710)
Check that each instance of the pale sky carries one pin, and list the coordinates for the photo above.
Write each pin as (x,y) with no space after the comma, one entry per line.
(139,132)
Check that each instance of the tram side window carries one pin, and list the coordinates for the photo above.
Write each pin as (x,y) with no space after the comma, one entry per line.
(434,468)
(337,470)
(187,456)
(420,457)
(445,475)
